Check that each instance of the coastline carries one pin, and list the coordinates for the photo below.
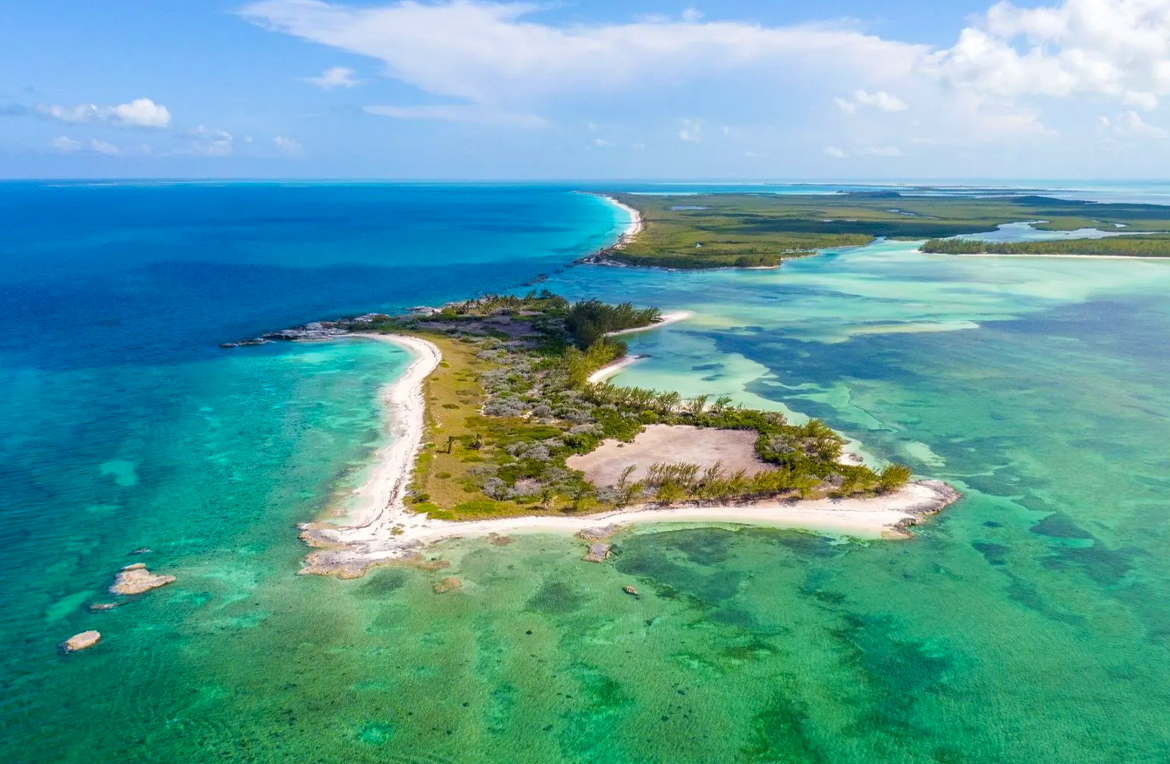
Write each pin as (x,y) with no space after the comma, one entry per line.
(380,529)
(348,553)
(1053,256)
(666,319)
(612,370)
(380,498)
(633,229)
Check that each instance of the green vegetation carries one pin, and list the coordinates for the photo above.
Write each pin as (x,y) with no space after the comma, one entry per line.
(1116,246)
(512,403)
(764,230)
(589,321)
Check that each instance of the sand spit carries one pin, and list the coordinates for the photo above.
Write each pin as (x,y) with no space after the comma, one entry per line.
(666,319)
(612,370)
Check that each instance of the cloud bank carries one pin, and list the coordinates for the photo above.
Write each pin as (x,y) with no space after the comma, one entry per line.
(141,112)
(490,62)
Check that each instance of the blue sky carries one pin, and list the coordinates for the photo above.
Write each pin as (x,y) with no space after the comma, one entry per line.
(739,89)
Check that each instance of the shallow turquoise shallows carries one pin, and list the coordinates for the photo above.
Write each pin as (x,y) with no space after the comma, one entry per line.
(1027,624)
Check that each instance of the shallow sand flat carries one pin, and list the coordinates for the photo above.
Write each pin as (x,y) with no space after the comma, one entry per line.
(671,444)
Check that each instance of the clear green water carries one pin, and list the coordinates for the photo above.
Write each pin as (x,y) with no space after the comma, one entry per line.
(1028,624)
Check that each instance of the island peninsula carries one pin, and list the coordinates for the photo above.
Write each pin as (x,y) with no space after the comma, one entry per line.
(498,429)
(505,422)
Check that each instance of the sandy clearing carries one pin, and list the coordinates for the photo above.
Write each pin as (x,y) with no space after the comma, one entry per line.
(670,444)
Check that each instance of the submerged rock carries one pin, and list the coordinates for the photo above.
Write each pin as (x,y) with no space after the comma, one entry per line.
(244,343)
(98,607)
(136,579)
(598,552)
(631,591)
(599,533)
(82,641)
(447,584)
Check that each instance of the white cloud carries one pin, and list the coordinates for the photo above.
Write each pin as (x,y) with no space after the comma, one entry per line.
(289,146)
(881,100)
(691,131)
(881,151)
(601,143)
(835,152)
(457,113)
(1115,48)
(212,143)
(1129,124)
(502,63)
(141,112)
(491,54)
(74,115)
(337,77)
(65,144)
(102,147)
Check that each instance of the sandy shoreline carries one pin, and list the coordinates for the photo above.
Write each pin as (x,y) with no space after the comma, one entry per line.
(666,319)
(349,554)
(635,226)
(605,372)
(380,499)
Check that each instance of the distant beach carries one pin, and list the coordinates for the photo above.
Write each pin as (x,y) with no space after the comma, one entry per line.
(635,226)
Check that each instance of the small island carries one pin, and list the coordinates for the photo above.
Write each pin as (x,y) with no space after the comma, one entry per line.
(503,424)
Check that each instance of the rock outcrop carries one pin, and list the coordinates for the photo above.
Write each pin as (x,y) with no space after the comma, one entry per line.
(447,584)
(599,551)
(82,641)
(136,579)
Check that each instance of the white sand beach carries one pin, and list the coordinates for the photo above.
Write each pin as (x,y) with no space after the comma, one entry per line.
(666,319)
(380,497)
(635,226)
(611,370)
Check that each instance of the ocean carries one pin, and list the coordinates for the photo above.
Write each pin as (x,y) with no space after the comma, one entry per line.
(1028,623)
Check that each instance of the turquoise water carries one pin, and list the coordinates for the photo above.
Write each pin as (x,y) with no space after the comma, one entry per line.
(1027,624)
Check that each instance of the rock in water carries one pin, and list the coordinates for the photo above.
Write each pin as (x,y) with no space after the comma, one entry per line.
(447,584)
(630,591)
(598,552)
(82,641)
(136,579)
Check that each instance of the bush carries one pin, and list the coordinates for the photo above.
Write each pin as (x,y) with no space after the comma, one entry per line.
(893,478)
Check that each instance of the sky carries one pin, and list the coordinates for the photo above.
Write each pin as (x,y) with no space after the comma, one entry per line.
(604,89)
